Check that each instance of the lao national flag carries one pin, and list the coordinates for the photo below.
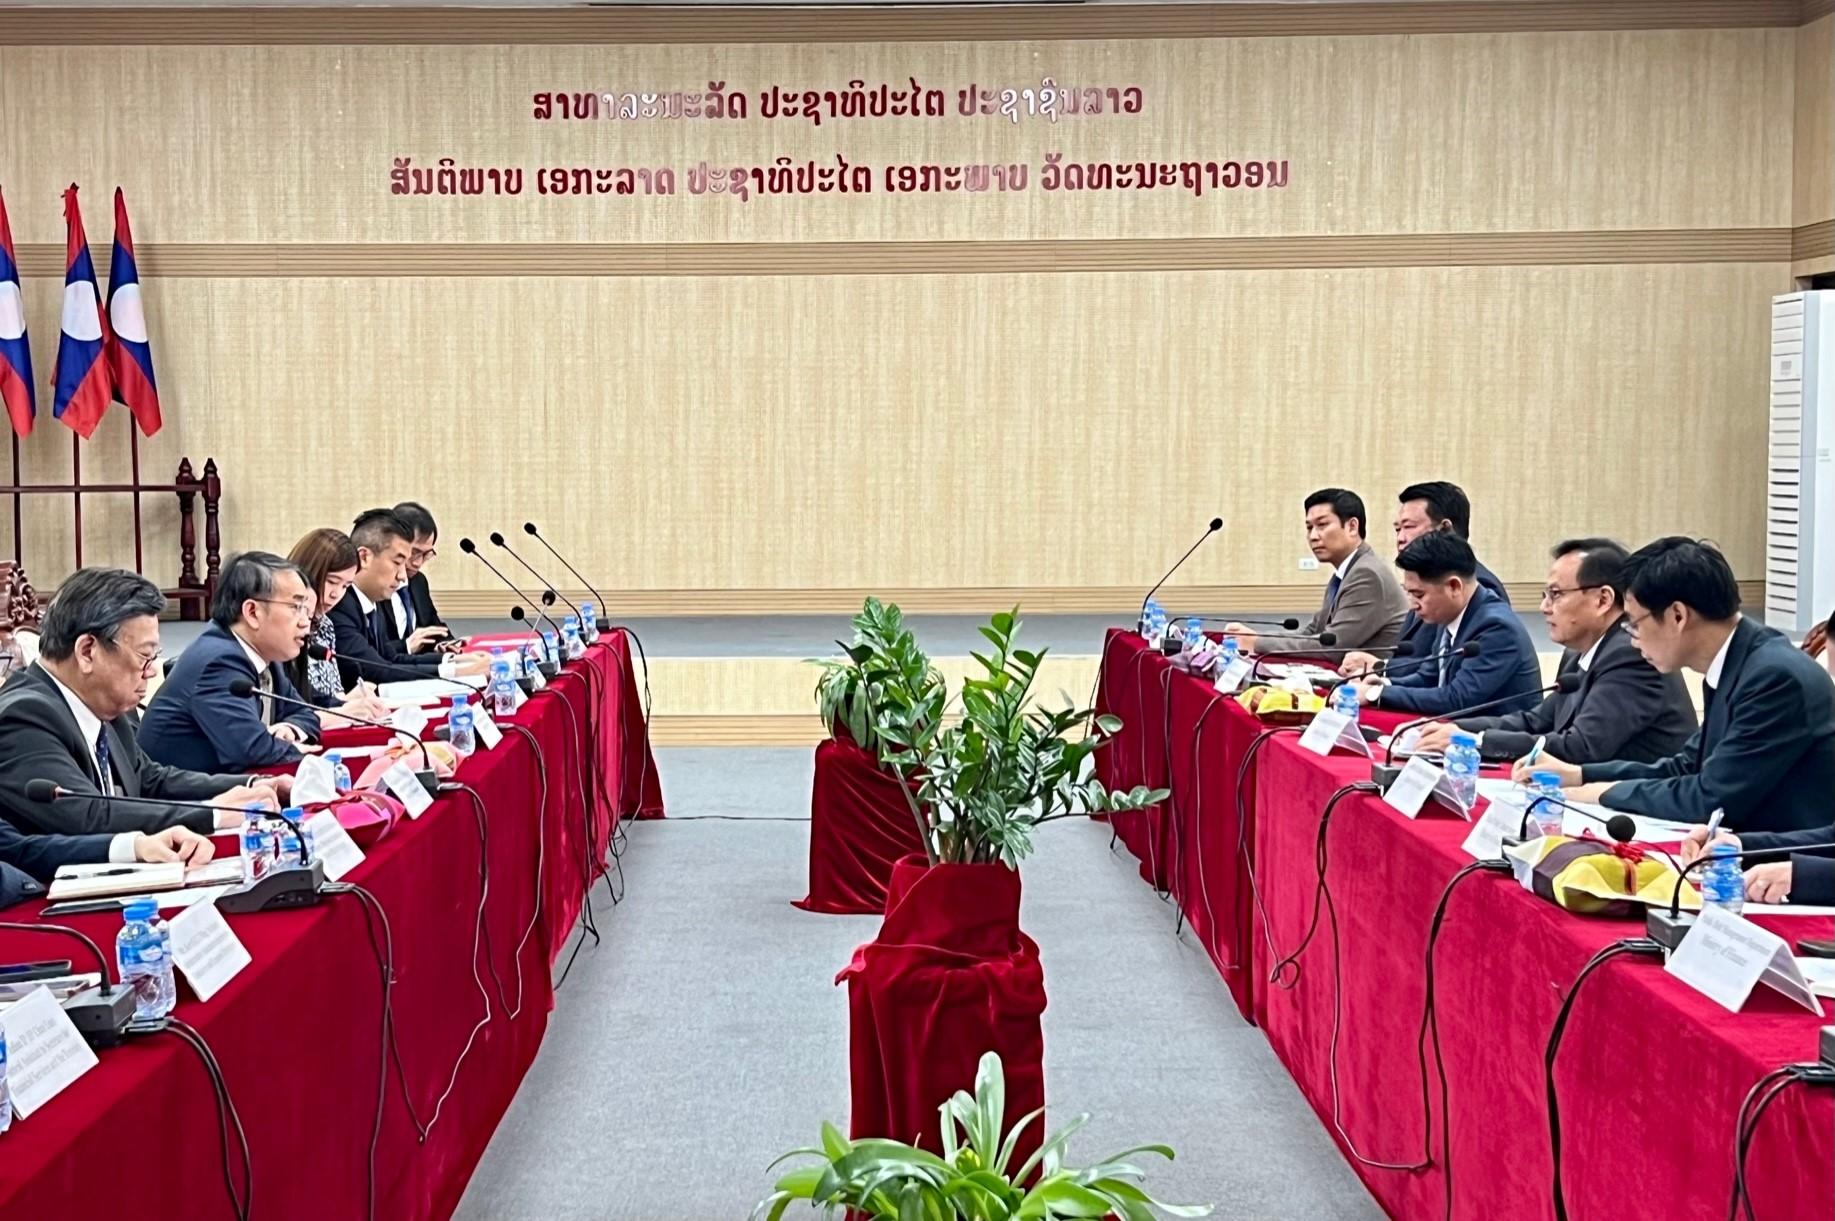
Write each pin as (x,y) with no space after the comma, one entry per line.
(83,388)
(130,356)
(17,389)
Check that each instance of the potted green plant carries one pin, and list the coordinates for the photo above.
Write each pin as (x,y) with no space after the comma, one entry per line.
(978,1176)
(883,668)
(950,973)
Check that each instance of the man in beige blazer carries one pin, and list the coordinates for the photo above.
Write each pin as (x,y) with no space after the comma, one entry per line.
(1363,606)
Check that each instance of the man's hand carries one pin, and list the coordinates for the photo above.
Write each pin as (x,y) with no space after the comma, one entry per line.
(1370,690)
(287,731)
(1245,639)
(1587,792)
(1769,883)
(280,786)
(1435,738)
(232,804)
(1356,665)
(174,844)
(465,665)
(1569,773)
(1697,841)
(423,638)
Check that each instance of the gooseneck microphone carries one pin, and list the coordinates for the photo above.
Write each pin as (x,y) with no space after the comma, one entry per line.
(285,886)
(245,687)
(1620,827)
(548,585)
(1216,525)
(471,548)
(529,528)
(1326,639)
(100,1014)
(377,669)
(1384,773)
(1407,663)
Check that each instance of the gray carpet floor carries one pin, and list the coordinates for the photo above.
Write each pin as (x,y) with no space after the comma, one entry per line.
(705,1035)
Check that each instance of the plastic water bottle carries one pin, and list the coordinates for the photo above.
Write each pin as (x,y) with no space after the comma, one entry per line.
(340,775)
(145,966)
(290,853)
(1462,767)
(1345,701)
(1545,816)
(256,854)
(6,1095)
(551,646)
(1722,884)
(589,622)
(503,689)
(570,635)
(459,726)
(1232,650)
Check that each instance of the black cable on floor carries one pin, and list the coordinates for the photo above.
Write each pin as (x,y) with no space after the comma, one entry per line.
(1630,945)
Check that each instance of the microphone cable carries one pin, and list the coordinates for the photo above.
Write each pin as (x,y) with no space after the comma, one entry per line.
(541,853)
(1242,832)
(643,771)
(228,1117)
(1762,1094)
(1288,966)
(1629,945)
(386,1049)
(1197,774)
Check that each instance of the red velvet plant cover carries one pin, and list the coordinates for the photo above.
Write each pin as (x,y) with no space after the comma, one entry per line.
(860,826)
(949,976)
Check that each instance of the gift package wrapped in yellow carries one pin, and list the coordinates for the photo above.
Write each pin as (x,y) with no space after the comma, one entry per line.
(1272,701)
(1597,878)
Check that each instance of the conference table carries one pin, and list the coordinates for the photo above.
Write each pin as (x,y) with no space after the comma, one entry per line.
(480,894)
(1650,1074)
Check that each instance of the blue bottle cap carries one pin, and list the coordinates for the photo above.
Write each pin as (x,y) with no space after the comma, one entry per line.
(1545,780)
(140,909)
(1462,738)
(460,701)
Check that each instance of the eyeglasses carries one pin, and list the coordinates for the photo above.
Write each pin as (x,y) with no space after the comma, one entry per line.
(301,607)
(422,555)
(147,664)
(1633,625)
(1553,592)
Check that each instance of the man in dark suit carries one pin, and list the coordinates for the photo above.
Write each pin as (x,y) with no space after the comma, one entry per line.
(365,647)
(1623,709)
(70,718)
(1765,752)
(1439,575)
(28,862)
(1421,507)
(1806,875)
(1363,604)
(258,619)
(412,608)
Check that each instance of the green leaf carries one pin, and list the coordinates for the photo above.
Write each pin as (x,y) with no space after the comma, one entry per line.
(1109,724)
(834,1145)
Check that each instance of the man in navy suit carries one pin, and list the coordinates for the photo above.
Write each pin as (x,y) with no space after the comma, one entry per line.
(1765,752)
(259,618)
(1439,575)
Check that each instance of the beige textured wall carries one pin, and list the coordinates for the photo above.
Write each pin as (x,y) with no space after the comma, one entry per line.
(799,436)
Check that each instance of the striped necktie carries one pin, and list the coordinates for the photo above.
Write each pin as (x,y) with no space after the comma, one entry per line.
(104,772)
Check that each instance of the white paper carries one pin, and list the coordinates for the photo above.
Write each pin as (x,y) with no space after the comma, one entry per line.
(1820,972)
(1412,787)
(1229,678)
(401,781)
(44,1052)
(206,949)
(1724,955)
(485,728)
(192,895)
(222,869)
(1486,841)
(332,845)
(313,782)
(1324,732)
(411,719)
(427,690)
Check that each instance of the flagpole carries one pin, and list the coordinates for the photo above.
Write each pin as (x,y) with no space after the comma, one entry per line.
(76,494)
(133,449)
(18,517)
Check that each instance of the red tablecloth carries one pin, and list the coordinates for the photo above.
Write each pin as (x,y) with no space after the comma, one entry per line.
(860,826)
(298,1032)
(1651,1074)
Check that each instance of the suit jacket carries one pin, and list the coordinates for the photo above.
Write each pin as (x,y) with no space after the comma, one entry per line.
(1765,751)
(29,861)
(367,639)
(1411,625)
(1365,612)
(194,722)
(39,738)
(1623,709)
(1812,874)
(420,604)
(1506,664)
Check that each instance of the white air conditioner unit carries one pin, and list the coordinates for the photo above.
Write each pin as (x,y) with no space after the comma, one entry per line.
(1799,481)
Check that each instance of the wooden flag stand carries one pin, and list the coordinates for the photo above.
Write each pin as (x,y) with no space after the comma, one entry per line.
(192,593)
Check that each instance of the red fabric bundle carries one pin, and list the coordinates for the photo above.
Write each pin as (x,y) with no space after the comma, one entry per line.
(949,976)
(860,826)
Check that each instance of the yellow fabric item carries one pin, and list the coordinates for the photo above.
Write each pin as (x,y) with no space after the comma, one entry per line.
(1264,700)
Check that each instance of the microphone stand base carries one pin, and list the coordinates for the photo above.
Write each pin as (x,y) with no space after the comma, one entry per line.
(1383,775)
(549,669)
(1667,930)
(101,1015)
(282,889)
(430,780)
(1828,1046)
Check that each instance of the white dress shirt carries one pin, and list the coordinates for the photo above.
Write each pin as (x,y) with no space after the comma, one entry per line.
(89,727)
(1586,658)
(1712,677)
(448,663)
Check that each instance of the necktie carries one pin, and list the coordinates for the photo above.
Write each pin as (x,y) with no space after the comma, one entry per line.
(1442,642)
(375,622)
(1331,593)
(407,613)
(104,773)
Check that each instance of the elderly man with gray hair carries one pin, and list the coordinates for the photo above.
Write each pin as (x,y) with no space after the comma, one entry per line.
(70,718)
(259,619)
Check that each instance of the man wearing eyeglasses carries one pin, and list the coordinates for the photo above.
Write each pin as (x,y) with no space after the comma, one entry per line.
(412,615)
(259,619)
(1623,709)
(70,718)
(1765,753)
